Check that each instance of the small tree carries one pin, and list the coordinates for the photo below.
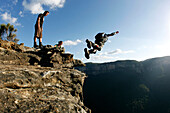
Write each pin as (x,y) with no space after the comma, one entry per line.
(7,33)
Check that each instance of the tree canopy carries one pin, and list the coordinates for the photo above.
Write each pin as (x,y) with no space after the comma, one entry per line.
(7,32)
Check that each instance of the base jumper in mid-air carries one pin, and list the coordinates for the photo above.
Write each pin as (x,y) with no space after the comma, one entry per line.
(100,40)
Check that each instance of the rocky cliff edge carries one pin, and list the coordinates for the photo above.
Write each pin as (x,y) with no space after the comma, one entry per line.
(39,80)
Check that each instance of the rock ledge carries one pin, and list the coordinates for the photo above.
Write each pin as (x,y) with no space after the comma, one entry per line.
(43,80)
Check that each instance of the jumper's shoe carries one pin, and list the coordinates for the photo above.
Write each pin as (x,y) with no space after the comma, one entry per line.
(89,43)
(87,55)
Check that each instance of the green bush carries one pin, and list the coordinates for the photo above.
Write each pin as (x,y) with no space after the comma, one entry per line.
(7,32)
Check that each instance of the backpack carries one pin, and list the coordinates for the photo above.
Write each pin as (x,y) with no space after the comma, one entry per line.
(99,36)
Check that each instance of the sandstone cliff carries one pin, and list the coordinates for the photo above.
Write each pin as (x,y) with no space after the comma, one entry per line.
(39,80)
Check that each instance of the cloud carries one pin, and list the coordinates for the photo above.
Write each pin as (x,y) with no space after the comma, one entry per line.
(101,58)
(143,47)
(117,51)
(69,42)
(21,14)
(7,18)
(1,9)
(15,2)
(109,41)
(36,6)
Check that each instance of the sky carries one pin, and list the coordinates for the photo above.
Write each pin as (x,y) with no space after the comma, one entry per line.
(144,26)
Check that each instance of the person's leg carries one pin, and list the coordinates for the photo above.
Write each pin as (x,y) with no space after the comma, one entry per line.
(40,42)
(89,43)
(92,51)
(35,42)
(97,46)
(87,54)
(35,37)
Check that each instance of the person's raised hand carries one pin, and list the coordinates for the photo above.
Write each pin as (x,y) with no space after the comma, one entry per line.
(117,32)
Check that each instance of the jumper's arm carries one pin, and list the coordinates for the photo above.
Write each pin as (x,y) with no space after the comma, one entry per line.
(111,34)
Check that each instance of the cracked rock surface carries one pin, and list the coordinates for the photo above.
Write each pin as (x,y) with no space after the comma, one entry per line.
(26,88)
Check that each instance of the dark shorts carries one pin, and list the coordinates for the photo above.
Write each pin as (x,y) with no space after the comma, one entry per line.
(38,32)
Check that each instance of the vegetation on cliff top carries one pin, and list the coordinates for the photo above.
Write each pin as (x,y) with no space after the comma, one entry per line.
(8,32)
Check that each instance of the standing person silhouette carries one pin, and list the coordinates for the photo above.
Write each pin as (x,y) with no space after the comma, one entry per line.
(39,29)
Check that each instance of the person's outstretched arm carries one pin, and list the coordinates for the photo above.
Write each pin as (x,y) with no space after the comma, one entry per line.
(112,33)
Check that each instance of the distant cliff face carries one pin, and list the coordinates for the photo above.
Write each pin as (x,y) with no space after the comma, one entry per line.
(128,86)
(98,68)
(39,80)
